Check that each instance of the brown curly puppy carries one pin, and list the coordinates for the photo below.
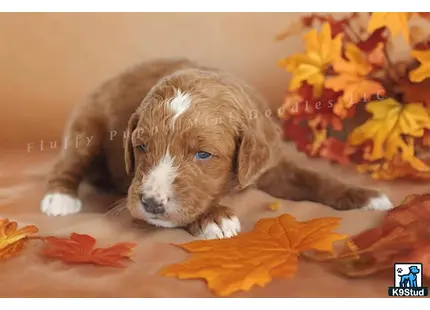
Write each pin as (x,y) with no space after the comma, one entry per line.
(177,137)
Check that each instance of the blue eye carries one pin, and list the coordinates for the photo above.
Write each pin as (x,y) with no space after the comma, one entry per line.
(142,148)
(203,155)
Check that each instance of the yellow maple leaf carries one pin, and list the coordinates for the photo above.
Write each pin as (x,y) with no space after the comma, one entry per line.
(12,240)
(390,121)
(321,51)
(423,71)
(352,80)
(396,22)
(270,250)
(396,169)
(319,135)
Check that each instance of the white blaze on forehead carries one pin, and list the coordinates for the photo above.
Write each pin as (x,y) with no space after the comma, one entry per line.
(158,184)
(179,104)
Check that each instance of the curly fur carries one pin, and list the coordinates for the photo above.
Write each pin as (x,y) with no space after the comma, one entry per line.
(220,114)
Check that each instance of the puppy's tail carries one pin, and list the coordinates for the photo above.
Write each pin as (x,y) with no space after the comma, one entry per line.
(288,181)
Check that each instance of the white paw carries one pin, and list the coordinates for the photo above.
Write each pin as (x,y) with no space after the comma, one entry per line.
(228,228)
(379,203)
(60,204)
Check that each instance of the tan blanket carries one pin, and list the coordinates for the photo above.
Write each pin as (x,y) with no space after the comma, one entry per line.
(31,275)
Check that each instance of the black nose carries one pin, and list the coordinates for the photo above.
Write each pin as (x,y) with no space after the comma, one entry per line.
(151,206)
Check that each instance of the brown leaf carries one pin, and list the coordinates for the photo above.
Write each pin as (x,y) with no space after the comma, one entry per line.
(425,15)
(402,236)
(415,92)
(421,254)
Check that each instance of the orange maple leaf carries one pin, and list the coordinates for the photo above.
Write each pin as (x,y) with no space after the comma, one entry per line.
(395,169)
(396,22)
(423,71)
(270,250)
(352,80)
(12,240)
(80,249)
(377,57)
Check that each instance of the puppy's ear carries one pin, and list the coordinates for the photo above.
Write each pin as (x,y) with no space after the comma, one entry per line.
(254,152)
(128,146)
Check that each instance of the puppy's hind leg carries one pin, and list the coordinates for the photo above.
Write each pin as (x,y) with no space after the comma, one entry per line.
(83,141)
(288,181)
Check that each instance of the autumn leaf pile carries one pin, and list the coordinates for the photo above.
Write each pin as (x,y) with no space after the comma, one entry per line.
(351,102)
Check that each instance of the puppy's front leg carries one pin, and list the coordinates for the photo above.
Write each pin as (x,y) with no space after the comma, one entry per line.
(217,223)
(83,144)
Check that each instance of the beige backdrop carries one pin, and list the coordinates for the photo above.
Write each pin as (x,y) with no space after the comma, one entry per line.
(49,61)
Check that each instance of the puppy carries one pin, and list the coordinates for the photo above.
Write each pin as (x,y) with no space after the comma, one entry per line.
(175,137)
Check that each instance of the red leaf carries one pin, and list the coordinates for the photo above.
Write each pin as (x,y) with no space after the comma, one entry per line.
(311,105)
(335,150)
(422,46)
(358,155)
(321,107)
(369,44)
(80,249)
(301,135)
(414,92)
